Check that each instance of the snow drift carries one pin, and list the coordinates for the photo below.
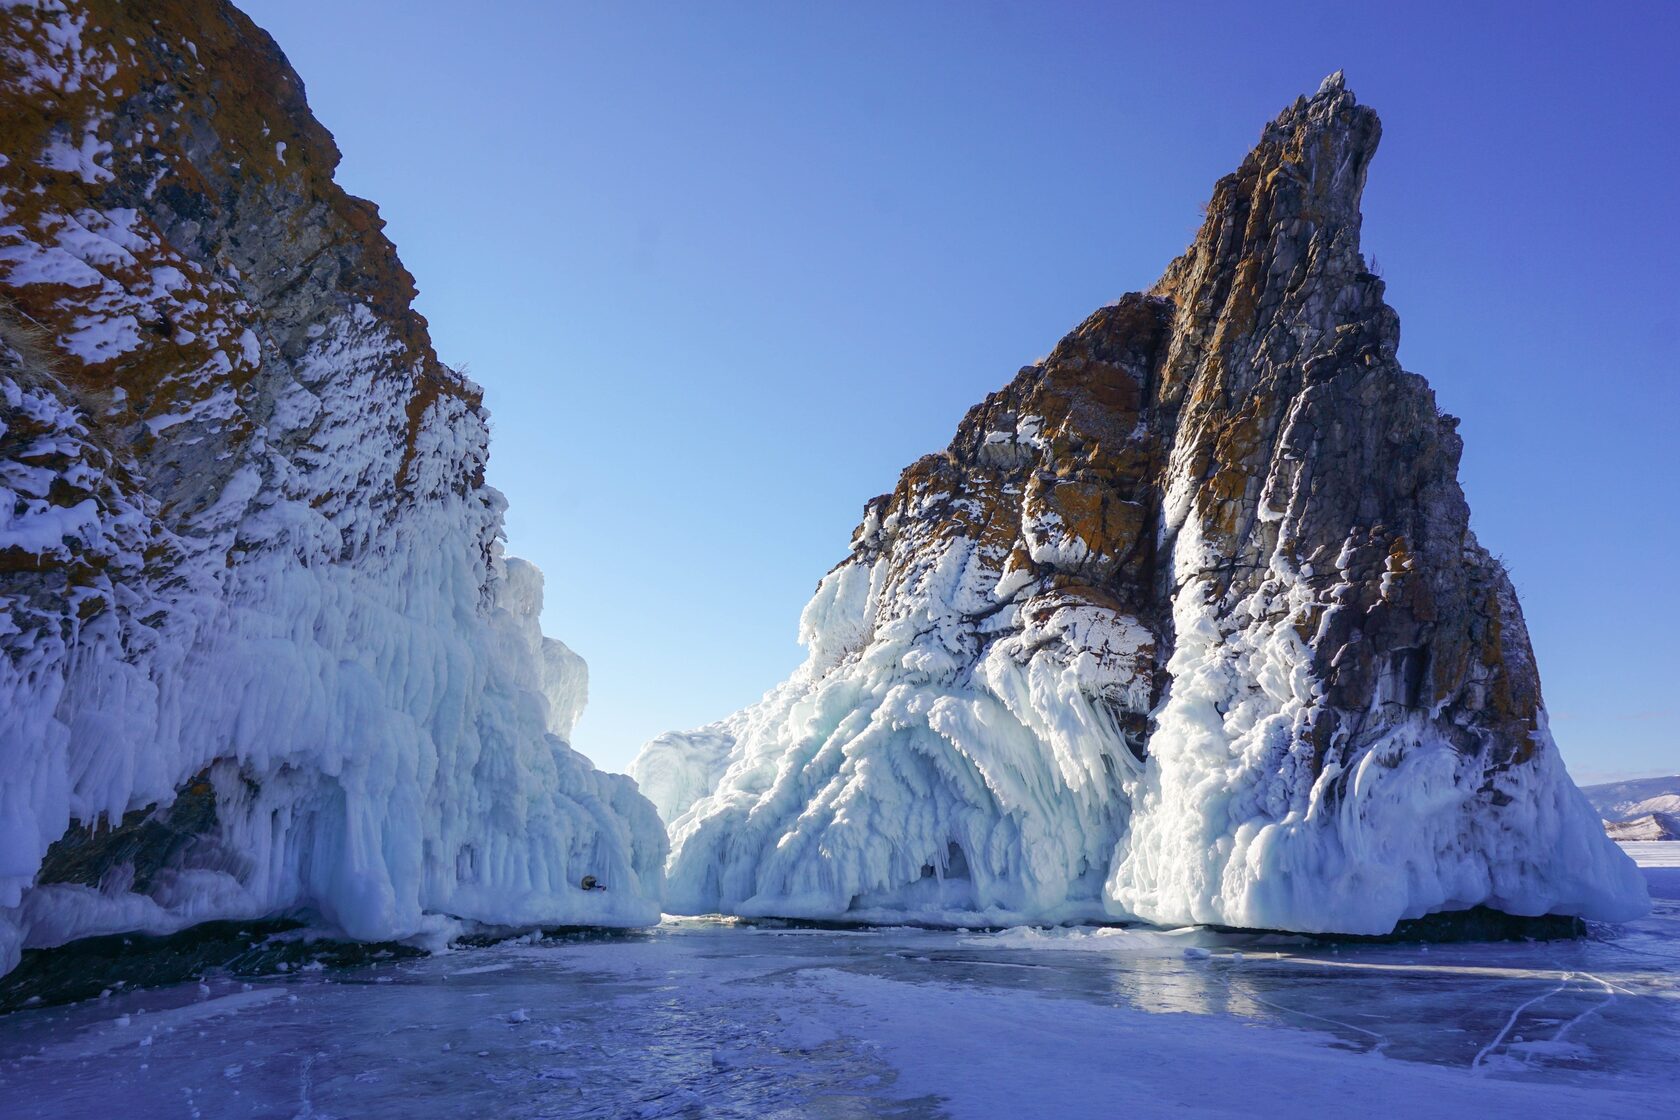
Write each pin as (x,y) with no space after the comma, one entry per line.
(1187,625)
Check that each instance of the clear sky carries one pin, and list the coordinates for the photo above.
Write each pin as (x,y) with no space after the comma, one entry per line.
(725,269)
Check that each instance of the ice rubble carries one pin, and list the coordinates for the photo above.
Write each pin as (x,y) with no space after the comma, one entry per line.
(386,738)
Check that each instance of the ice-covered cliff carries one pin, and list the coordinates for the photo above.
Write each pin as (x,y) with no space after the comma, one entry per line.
(260,651)
(1186,625)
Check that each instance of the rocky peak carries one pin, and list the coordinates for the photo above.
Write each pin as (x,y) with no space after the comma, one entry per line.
(1205,574)
(1244,422)
(1298,189)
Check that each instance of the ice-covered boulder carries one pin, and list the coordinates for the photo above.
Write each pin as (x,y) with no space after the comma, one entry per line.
(260,651)
(1186,625)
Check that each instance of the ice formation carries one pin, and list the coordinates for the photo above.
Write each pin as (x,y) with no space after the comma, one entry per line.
(680,767)
(1187,625)
(260,652)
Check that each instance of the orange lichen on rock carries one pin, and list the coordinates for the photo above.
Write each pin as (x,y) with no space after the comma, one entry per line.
(133,134)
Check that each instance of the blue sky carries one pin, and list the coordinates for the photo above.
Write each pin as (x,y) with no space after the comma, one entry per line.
(725,269)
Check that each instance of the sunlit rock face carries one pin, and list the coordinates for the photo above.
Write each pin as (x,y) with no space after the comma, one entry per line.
(260,651)
(1186,625)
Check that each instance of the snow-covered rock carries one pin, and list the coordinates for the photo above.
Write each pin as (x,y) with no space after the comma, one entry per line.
(1651,826)
(260,651)
(1639,809)
(1186,625)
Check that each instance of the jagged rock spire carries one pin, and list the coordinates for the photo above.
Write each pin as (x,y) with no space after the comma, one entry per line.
(1187,624)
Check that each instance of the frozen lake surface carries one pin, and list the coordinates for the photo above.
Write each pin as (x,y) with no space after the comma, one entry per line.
(717,1019)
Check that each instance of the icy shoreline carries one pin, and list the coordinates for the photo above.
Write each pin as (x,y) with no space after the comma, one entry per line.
(701,1017)
(269,948)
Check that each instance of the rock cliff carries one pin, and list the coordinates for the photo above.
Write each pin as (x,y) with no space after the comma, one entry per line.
(1186,625)
(260,651)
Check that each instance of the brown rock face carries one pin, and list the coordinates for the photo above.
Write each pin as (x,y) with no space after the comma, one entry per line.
(1300,693)
(1252,399)
(186,116)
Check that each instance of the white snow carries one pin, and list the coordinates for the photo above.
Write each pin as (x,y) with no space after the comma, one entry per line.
(83,158)
(1620,800)
(1662,803)
(913,767)
(1223,837)
(1652,826)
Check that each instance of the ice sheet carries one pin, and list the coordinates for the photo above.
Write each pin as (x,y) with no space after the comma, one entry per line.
(723,1019)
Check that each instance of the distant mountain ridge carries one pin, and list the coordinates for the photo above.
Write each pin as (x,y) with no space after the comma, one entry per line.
(1639,809)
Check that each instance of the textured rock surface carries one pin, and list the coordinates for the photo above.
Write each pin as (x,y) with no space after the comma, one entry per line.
(259,649)
(1187,624)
